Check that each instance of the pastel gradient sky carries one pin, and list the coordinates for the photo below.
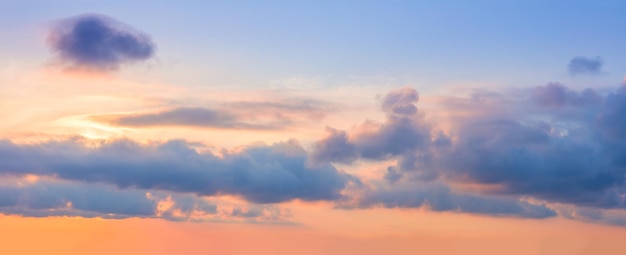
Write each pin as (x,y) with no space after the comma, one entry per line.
(312,127)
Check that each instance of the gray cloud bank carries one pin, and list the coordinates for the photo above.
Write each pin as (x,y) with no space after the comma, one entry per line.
(50,197)
(585,65)
(234,115)
(536,153)
(439,197)
(549,143)
(259,174)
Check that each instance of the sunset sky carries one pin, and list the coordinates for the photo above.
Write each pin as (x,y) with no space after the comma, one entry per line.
(312,127)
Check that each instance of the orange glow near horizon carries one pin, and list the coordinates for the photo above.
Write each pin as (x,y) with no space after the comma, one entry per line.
(375,231)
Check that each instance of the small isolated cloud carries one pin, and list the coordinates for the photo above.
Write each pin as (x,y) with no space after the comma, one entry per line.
(97,42)
(585,65)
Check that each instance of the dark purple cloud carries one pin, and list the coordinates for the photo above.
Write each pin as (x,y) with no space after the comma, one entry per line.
(53,197)
(570,154)
(258,174)
(98,42)
(550,143)
(585,65)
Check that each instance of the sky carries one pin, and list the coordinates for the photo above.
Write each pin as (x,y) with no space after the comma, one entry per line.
(312,127)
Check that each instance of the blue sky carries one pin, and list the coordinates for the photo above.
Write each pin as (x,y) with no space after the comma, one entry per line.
(426,43)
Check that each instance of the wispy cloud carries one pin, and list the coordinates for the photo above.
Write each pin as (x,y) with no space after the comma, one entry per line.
(233,115)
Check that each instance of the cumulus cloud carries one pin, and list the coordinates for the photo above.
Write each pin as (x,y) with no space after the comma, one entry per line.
(98,42)
(558,95)
(527,159)
(522,154)
(565,149)
(585,65)
(404,131)
(258,174)
(334,148)
(549,143)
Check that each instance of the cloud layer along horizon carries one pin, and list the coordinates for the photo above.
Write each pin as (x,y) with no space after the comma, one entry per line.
(536,153)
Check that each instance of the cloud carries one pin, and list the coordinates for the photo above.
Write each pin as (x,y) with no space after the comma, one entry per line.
(523,154)
(401,102)
(404,131)
(592,215)
(233,115)
(612,119)
(258,174)
(558,95)
(45,197)
(62,198)
(550,144)
(439,197)
(585,65)
(194,117)
(528,159)
(572,153)
(334,148)
(254,213)
(97,42)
